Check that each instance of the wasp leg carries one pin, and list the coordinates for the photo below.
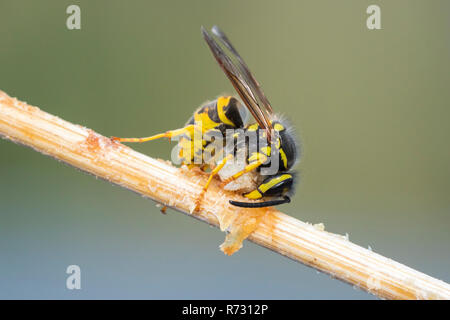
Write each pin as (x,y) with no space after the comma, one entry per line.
(250,167)
(211,175)
(168,134)
(216,170)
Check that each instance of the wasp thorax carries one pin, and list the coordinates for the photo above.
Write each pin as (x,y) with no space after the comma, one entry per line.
(287,145)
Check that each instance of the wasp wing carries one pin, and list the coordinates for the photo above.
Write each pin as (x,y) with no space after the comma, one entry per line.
(248,76)
(240,82)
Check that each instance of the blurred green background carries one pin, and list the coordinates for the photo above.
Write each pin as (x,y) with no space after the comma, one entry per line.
(371,107)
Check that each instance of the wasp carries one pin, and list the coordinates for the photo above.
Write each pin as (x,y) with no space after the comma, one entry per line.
(275,140)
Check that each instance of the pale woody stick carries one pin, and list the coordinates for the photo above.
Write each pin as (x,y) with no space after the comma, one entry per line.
(178,188)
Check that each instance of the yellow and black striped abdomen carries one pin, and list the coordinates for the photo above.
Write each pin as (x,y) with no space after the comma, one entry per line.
(222,113)
(218,115)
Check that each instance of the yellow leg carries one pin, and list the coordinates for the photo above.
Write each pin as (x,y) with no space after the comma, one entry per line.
(212,174)
(216,170)
(250,167)
(168,134)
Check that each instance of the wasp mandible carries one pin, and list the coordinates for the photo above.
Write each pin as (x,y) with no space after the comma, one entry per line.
(275,141)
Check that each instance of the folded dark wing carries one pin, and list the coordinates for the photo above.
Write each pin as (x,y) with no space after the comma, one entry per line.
(263,102)
(241,79)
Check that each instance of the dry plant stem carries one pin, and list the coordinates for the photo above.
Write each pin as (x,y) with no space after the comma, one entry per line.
(178,188)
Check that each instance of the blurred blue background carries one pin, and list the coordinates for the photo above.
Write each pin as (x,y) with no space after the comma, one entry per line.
(371,107)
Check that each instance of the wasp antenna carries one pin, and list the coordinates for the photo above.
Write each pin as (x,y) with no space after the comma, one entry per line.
(269,203)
